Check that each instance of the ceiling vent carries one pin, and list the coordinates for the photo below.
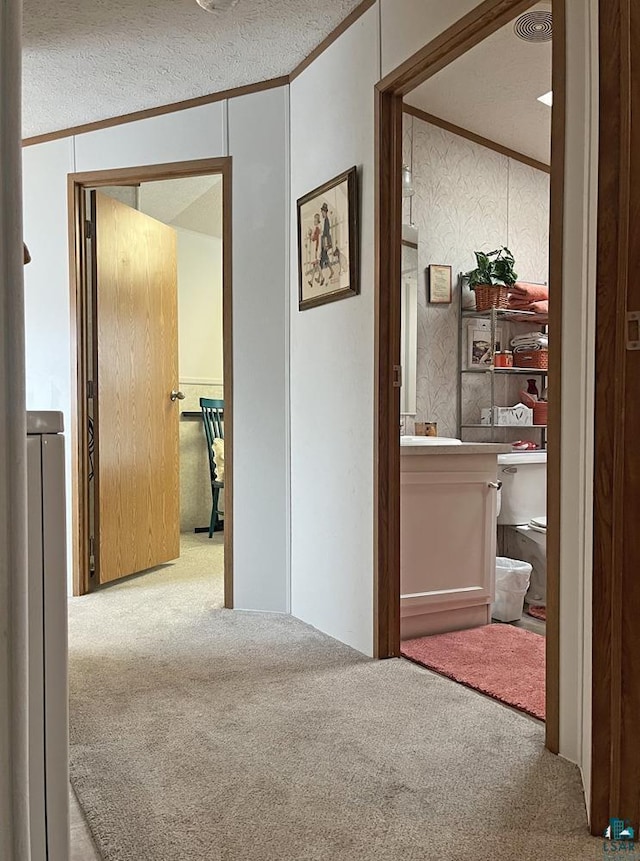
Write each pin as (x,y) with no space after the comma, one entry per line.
(536,26)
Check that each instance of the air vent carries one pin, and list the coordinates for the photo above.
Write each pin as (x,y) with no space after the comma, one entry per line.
(534,26)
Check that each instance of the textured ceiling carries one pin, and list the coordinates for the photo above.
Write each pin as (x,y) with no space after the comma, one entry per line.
(85,61)
(492,90)
(194,203)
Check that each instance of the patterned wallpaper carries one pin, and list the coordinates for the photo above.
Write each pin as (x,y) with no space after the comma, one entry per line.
(467,197)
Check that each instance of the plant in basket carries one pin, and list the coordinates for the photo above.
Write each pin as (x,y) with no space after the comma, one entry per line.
(491,279)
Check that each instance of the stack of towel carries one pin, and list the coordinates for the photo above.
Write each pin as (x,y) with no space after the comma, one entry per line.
(530,341)
(529,297)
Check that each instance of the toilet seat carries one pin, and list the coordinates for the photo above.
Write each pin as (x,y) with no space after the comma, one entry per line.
(535,534)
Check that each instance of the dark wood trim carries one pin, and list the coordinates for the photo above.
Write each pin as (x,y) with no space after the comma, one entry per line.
(77,183)
(388,245)
(472,136)
(554,489)
(616,593)
(79,481)
(158,111)
(227,377)
(331,38)
(455,41)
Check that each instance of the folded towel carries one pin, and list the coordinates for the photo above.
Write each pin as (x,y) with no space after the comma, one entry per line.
(527,338)
(533,344)
(529,292)
(541,307)
(526,348)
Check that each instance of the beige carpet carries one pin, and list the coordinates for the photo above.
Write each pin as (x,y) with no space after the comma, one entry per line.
(200,734)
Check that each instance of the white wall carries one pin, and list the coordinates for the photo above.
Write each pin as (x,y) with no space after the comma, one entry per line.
(200,352)
(47,314)
(260,223)
(408,25)
(199,307)
(578,378)
(258,140)
(332,356)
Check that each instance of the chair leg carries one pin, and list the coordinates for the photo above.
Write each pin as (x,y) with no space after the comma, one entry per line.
(214,512)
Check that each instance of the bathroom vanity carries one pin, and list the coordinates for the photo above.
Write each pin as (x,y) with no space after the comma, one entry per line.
(448,498)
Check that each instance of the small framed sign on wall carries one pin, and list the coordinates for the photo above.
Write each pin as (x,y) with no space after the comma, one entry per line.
(439,284)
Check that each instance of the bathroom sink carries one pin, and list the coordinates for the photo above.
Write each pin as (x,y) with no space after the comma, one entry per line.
(429,440)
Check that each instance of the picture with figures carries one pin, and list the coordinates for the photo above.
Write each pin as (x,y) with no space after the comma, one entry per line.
(328,241)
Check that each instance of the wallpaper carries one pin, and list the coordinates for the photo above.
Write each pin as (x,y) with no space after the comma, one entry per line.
(467,197)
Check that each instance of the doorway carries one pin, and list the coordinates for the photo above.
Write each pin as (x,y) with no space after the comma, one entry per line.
(444,50)
(145,480)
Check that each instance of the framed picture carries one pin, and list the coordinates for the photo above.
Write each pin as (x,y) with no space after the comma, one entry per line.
(328,242)
(480,348)
(439,280)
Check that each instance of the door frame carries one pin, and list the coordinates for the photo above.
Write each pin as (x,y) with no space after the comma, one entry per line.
(461,37)
(76,185)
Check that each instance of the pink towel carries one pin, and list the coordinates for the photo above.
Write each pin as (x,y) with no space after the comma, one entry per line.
(540,307)
(523,292)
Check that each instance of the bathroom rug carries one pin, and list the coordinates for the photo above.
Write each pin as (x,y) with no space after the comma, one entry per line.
(538,612)
(504,662)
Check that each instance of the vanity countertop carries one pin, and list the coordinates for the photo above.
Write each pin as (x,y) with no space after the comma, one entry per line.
(462,448)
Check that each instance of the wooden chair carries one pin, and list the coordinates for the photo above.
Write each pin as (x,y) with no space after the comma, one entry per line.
(213,421)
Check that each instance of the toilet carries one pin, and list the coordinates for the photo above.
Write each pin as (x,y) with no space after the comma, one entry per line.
(522,509)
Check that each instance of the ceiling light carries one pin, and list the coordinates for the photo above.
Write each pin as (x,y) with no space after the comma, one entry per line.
(216,5)
(547,98)
(407,181)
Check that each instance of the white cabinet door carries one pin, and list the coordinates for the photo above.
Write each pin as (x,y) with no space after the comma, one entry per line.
(448,546)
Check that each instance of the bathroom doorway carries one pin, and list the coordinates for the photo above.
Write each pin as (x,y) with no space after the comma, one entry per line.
(415,113)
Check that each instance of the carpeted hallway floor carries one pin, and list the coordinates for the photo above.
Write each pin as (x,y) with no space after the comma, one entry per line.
(200,734)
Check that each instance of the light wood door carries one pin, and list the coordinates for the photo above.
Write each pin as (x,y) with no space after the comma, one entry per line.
(136,351)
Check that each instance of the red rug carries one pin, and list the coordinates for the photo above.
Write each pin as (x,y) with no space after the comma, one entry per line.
(538,613)
(504,662)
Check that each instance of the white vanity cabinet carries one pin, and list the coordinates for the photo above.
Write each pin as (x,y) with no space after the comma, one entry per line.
(448,536)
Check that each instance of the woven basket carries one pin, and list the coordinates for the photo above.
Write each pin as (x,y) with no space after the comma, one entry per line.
(537,359)
(491,296)
(540,412)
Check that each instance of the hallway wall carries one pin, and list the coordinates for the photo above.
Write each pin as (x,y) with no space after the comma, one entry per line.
(332,346)
(260,222)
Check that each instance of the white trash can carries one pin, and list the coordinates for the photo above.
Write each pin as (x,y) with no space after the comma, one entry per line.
(512,582)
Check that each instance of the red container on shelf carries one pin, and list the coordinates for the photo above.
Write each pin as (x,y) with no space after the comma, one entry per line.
(503,359)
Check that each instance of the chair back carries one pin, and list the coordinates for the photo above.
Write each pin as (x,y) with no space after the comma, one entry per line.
(213,421)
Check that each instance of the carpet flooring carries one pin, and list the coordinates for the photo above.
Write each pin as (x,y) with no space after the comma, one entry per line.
(504,662)
(200,734)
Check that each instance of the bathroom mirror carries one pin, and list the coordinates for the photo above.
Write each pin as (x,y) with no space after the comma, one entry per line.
(409,312)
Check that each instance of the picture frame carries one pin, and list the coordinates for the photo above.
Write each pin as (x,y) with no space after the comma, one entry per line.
(329,242)
(480,350)
(439,284)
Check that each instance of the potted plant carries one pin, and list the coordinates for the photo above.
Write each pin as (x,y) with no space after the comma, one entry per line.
(492,277)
